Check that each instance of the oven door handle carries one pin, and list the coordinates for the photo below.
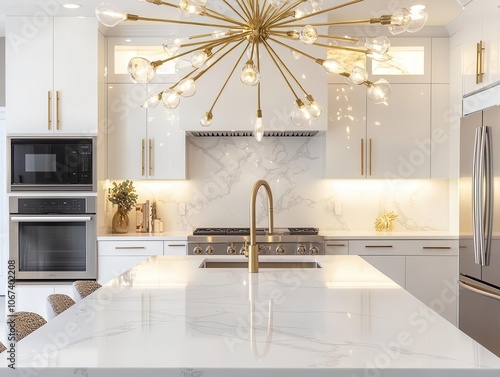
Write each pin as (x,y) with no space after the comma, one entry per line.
(44,219)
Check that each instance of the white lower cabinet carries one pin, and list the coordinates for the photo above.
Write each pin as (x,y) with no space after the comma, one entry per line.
(175,247)
(392,266)
(337,247)
(428,269)
(116,257)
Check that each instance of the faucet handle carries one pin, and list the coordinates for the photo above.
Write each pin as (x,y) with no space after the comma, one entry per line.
(246,248)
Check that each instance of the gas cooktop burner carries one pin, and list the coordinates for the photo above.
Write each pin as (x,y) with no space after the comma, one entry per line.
(246,231)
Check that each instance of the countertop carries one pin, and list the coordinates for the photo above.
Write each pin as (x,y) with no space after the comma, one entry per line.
(360,235)
(345,319)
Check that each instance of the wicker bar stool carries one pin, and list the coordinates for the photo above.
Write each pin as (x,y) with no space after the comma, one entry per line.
(25,323)
(57,303)
(2,347)
(82,288)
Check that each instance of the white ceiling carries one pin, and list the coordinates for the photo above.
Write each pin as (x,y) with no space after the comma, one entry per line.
(441,12)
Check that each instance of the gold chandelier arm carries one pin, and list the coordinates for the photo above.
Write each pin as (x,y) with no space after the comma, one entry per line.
(272,14)
(267,13)
(337,38)
(258,87)
(351,22)
(234,10)
(158,63)
(320,12)
(266,45)
(271,50)
(361,50)
(283,12)
(293,48)
(223,18)
(243,8)
(230,74)
(196,69)
(218,60)
(134,17)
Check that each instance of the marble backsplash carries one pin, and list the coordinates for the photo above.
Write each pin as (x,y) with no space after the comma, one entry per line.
(222,172)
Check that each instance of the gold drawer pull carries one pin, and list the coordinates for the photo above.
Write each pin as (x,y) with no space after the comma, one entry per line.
(129,247)
(378,246)
(336,244)
(437,247)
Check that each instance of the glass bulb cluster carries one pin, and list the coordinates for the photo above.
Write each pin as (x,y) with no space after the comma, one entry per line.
(264,29)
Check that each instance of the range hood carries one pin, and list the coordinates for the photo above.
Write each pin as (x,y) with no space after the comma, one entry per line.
(235,110)
(304,133)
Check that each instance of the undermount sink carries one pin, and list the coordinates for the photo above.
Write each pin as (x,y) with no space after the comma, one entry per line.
(207,263)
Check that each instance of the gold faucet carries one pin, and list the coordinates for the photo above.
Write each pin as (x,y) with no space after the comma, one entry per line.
(253,249)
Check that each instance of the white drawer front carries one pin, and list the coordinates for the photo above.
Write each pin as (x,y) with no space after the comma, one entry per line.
(403,247)
(120,248)
(336,247)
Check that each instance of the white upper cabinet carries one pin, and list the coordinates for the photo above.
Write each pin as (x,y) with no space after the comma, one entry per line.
(52,75)
(366,140)
(480,45)
(143,143)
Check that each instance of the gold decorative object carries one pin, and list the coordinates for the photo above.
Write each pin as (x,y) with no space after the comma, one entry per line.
(384,222)
(256,26)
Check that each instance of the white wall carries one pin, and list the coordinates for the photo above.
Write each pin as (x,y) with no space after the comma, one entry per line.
(2,72)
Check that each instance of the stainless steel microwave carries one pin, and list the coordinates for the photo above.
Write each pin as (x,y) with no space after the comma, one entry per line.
(57,164)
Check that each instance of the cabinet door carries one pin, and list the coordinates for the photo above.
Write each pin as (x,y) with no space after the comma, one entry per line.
(127,140)
(399,134)
(392,266)
(433,280)
(490,38)
(336,247)
(472,34)
(75,75)
(440,132)
(175,248)
(166,143)
(346,135)
(29,75)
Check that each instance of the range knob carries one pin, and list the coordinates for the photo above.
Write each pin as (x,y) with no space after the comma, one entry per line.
(314,250)
(231,250)
(280,250)
(242,250)
(301,249)
(197,250)
(209,250)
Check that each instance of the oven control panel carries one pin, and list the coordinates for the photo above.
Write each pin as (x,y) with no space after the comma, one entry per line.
(51,205)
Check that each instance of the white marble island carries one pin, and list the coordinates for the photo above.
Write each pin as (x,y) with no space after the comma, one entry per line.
(175,319)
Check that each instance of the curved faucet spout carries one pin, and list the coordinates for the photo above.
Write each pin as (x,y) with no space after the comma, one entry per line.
(253,249)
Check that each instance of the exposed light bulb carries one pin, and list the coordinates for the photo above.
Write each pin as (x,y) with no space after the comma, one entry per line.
(278,3)
(379,91)
(250,74)
(206,120)
(358,76)
(300,115)
(378,45)
(189,8)
(418,18)
(108,15)
(332,66)
(186,87)
(141,70)
(313,107)
(258,131)
(400,21)
(171,99)
(219,34)
(308,35)
(172,45)
(200,58)
(152,101)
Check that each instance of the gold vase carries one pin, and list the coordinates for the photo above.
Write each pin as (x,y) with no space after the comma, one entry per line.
(120,222)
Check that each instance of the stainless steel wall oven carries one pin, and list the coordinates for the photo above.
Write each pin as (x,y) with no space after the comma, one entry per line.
(53,238)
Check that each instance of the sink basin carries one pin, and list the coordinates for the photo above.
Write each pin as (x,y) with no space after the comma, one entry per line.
(264,264)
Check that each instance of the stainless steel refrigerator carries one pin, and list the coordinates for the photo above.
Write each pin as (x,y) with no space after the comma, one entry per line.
(479,260)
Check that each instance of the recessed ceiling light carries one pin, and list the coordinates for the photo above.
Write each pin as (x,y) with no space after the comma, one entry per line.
(128,40)
(71,6)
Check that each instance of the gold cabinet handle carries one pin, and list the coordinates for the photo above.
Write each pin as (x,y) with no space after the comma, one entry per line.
(370,167)
(378,246)
(335,244)
(57,110)
(436,247)
(150,157)
(362,157)
(479,62)
(129,247)
(142,154)
(49,112)
(183,245)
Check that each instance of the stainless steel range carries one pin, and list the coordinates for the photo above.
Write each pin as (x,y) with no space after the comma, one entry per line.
(231,241)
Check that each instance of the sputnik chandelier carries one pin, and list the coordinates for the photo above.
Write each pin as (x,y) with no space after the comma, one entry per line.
(261,25)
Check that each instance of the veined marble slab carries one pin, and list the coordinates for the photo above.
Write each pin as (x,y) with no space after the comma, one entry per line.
(168,317)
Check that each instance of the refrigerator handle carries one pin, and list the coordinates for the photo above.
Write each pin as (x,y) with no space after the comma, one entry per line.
(481,198)
(475,197)
(478,290)
(489,202)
